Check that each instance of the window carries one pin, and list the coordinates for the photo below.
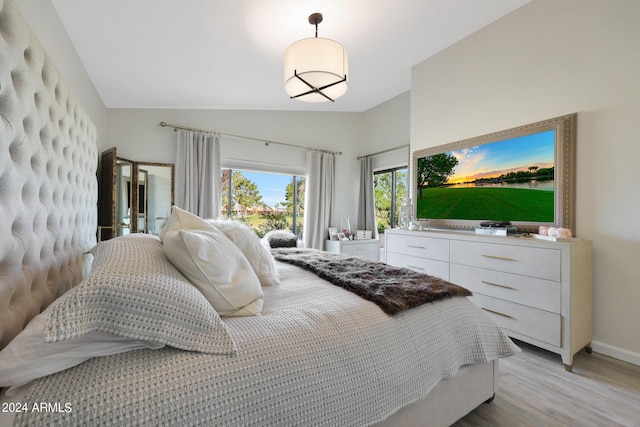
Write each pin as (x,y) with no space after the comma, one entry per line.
(265,201)
(390,192)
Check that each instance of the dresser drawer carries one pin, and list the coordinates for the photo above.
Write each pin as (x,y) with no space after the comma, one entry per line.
(421,265)
(529,261)
(368,249)
(419,246)
(362,252)
(531,322)
(361,248)
(525,290)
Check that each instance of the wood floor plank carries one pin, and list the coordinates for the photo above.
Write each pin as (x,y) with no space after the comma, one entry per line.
(535,390)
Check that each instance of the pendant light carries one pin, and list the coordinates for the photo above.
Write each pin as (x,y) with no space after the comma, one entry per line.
(315,69)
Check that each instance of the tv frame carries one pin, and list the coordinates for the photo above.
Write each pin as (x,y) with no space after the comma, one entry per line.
(564,172)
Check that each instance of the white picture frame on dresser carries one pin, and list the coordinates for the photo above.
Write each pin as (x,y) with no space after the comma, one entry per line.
(538,291)
(333,234)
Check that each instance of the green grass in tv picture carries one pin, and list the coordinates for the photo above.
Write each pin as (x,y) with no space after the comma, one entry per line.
(484,203)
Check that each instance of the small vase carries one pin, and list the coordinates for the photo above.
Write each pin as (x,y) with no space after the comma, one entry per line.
(346,227)
(406,214)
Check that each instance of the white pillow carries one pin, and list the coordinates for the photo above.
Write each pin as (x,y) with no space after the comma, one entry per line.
(28,357)
(181,219)
(250,245)
(213,264)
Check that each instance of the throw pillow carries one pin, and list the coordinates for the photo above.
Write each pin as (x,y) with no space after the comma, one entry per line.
(250,245)
(213,264)
(133,291)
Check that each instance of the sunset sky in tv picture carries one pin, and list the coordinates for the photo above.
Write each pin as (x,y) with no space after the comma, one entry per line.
(498,158)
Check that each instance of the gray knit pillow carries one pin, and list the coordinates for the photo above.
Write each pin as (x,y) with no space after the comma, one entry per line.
(280,239)
(135,292)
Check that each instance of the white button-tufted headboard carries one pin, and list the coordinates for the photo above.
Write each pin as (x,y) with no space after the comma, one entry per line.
(48,185)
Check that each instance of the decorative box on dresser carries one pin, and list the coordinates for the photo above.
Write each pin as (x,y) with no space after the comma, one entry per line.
(538,291)
(365,248)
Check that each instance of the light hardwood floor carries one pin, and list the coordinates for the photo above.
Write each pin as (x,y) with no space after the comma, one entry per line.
(535,390)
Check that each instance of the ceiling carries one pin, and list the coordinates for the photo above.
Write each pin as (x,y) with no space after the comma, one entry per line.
(227,54)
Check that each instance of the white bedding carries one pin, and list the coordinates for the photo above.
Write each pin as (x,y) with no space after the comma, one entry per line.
(318,355)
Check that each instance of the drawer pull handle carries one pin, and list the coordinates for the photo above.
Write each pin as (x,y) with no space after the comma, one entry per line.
(497,312)
(415,268)
(496,284)
(498,257)
(416,247)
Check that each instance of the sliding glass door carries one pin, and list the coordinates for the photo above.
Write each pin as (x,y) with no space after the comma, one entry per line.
(390,192)
(265,201)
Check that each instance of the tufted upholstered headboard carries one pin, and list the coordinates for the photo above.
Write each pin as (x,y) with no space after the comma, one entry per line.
(48,185)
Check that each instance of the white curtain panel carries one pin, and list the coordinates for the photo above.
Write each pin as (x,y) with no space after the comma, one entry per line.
(198,173)
(319,198)
(366,201)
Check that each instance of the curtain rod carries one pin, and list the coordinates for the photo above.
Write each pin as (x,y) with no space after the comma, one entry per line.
(265,141)
(383,151)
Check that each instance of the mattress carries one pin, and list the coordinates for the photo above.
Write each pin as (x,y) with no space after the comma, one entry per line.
(318,356)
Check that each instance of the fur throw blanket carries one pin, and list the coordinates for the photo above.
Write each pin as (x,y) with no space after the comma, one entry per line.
(394,289)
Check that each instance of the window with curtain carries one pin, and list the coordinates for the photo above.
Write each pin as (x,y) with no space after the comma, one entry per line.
(265,201)
(390,192)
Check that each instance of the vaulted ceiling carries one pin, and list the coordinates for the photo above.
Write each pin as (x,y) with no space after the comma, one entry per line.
(228,54)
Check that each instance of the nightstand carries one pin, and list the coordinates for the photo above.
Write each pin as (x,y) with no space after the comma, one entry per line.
(367,249)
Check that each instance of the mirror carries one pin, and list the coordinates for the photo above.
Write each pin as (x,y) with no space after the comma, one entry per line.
(154,196)
(133,197)
(141,219)
(122,203)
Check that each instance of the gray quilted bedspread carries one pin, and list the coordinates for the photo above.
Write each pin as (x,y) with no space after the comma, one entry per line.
(318,356)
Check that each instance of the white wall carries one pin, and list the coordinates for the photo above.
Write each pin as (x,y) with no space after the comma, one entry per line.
(387,126)
(137,136)
(547,59)
(43,20)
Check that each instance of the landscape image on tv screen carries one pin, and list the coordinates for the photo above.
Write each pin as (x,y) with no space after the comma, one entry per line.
(508,180)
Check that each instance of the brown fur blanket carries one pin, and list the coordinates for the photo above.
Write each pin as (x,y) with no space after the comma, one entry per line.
(394,289)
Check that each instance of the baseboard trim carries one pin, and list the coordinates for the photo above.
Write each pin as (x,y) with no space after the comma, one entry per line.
(616,352)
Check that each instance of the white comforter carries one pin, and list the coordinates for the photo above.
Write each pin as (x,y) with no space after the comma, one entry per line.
(319,355)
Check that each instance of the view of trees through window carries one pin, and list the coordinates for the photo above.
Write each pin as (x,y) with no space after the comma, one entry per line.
(390,192)
(265,201)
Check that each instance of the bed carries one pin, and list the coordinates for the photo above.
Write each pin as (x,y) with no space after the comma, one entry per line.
(316,354)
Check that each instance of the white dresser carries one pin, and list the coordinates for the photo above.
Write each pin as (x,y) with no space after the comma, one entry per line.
(538,291)
(368,248)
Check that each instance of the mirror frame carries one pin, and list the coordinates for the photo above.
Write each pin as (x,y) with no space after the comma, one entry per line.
(108,194)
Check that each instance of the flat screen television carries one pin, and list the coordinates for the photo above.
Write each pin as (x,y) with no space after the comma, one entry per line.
(523,175)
